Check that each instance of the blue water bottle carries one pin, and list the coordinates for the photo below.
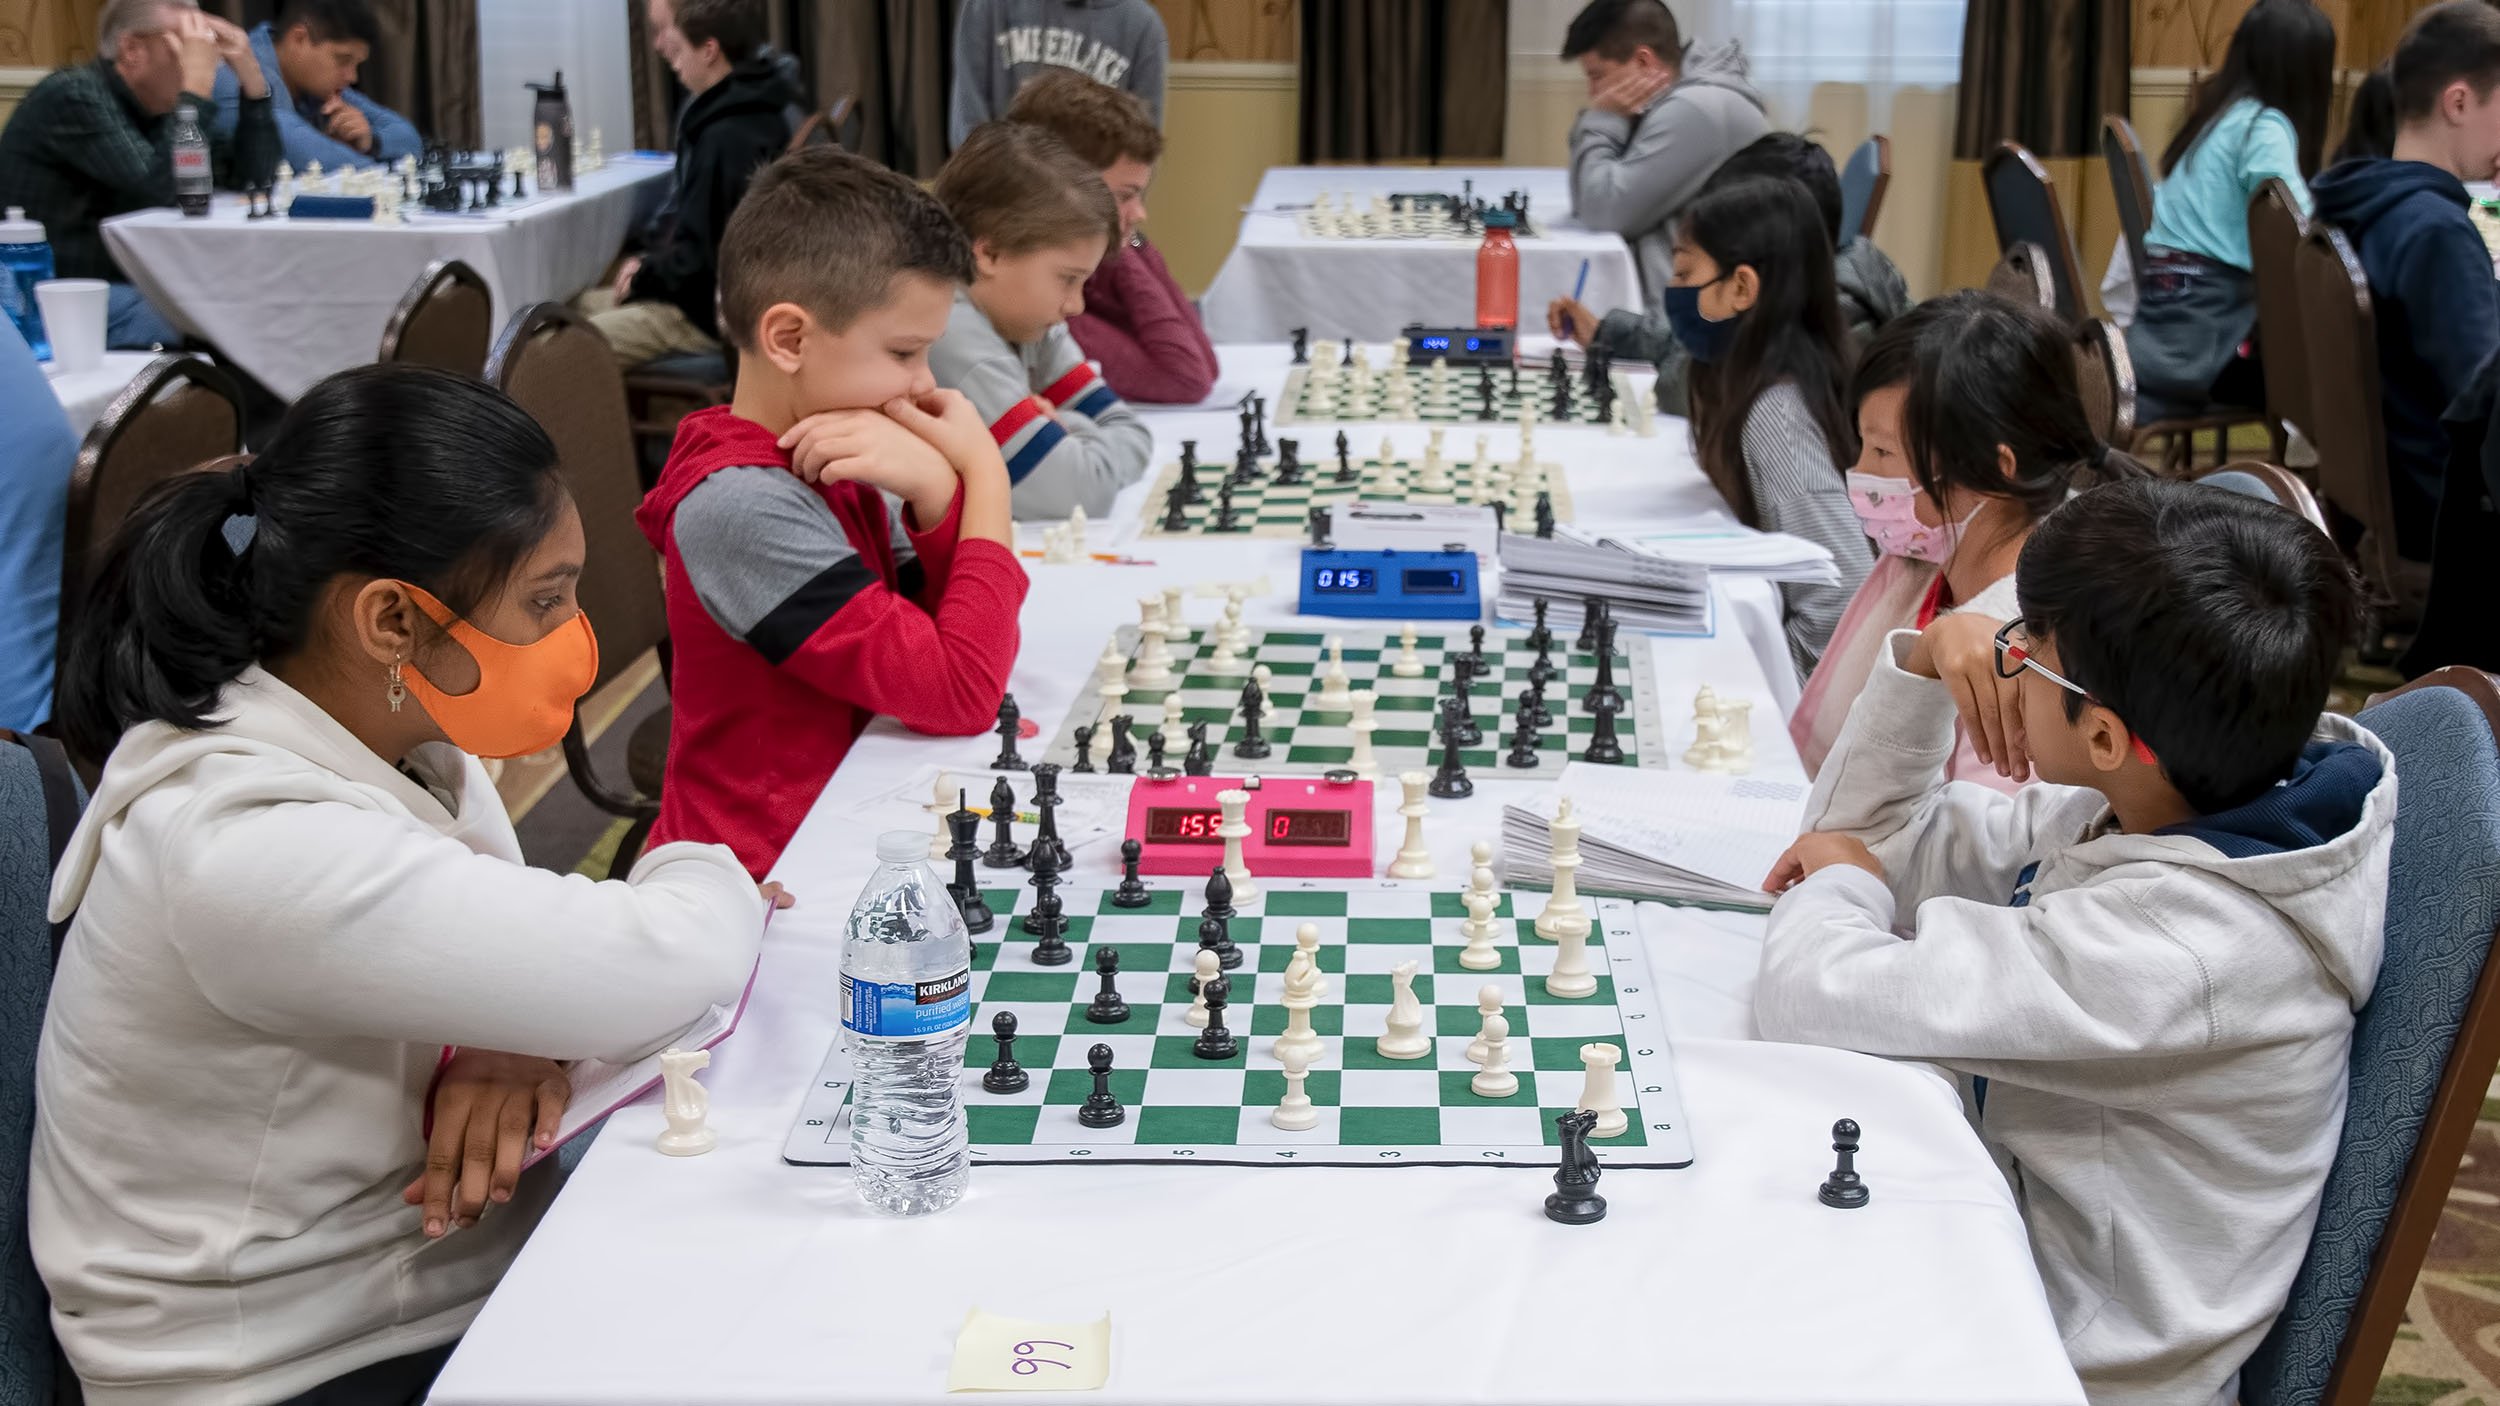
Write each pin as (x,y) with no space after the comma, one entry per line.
(26,260)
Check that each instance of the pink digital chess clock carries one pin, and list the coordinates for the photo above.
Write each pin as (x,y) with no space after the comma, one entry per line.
(1301,827)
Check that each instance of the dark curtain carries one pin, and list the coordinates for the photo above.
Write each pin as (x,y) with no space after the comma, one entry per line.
(1404,80)
(2040,72)
(654,87)
(425,68)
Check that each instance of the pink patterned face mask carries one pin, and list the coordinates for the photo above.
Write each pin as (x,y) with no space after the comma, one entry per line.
(1888,509)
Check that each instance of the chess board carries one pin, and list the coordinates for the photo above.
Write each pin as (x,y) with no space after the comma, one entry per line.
(1425,224)
(1306,741)
(1373,1111)
(1266,508)
(1454,402)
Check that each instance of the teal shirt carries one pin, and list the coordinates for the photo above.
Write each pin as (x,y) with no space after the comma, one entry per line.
(2203,207)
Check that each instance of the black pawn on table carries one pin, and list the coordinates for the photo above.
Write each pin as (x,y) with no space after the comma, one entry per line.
(1123,758)
(1154,753)
(1132,892)
(1046,802)
(1450,781)
(1226,520)
(1048,919)
(1843,1189)
(1005,1076)
(1003,852)
(1524,742)
(1540,638)
(1475,648)
(1302,346)
(1216,1042)
(1199,760)
(1101,1109)
(1541,669)
(965,826)
(1084,735)
(1213,933)
(1345,459)
(1605,748)
(1227,952)
(1545,514)
(1514,379)
(1562,402)
(1220,896)
(1575,1200)
(1108,1007)
(1252,745)
(1010,720)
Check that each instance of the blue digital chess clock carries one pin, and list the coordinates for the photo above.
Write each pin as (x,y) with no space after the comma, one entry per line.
(1460,346)
(1391,585)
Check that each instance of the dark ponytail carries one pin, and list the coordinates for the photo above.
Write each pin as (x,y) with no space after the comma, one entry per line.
(395,471)
(1983,371)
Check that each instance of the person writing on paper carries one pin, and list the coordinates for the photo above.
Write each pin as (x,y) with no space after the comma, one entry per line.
(295,889)
(311,54)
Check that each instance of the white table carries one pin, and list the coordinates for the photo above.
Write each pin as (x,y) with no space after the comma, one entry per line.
(85,395)
(733,1277)
(292,301)
(1277,278)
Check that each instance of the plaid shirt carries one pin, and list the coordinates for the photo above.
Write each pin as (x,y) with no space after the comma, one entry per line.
(80,150)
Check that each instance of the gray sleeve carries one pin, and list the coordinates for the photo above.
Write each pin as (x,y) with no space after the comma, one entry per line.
(767,557)
(1147,60)
(1630,179)
(1797,490)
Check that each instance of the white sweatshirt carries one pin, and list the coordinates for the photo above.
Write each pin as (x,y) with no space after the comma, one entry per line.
(2164,1027)
(276,934)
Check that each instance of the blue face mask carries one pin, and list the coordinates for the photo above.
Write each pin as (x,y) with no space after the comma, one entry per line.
(1706,340)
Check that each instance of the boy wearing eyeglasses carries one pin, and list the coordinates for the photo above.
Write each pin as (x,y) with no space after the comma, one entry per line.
(2143,967)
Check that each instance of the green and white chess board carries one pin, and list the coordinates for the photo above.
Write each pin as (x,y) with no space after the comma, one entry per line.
(1265,508)
(1328,394)
(1305,740)
(1373,1111)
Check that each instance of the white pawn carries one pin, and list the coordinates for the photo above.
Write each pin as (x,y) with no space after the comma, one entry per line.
(1413,861)
(1363,763)
(1154,661)
(1409,664)
(1488,1005)
(1480,900)
(1238,633)
(1111,686)
(944,795)
(1388,455)
(1495,1080)
(1597,1094)
(1175,615)
(1235,828)
(685,1104)
(1405,1038)
(1224,660)
(1207,967)
(1294,1113)
(1335,694)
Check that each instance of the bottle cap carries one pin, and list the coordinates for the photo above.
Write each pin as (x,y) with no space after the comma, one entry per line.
(902,846)
(17,229)
(1501,219)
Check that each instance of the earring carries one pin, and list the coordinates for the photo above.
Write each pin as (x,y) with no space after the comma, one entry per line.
(397,693)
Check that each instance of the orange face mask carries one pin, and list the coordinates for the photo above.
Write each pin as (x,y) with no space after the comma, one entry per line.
(523,702)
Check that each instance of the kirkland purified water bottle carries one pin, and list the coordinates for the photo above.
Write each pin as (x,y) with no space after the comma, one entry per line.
(906,1008)
(195,185)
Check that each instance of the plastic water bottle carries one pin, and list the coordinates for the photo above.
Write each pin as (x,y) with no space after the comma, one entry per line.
(25,260)
(1497,272)
(906,1010)
(194,184)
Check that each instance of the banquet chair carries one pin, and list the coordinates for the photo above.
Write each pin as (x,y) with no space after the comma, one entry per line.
(2275,229)
(2423,1048)
(2023,205)
(39,803)
(2271,482)
(1862,185)
(177,415)
(2131,180)
(837,126)
(445,320)
(2175,428)
(2022,276)
(2341,330)
(557,367)
(2105,378)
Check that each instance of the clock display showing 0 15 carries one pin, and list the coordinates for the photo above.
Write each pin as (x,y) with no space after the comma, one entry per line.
(1177,825)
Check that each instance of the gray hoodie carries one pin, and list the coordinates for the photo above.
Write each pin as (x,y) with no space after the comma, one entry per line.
(2154,1028)
(1001,43)
(1632,174)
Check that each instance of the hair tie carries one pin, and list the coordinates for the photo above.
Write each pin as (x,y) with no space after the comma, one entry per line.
(243,524)
(2100,456)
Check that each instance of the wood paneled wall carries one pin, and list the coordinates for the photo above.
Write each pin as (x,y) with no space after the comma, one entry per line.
(47,33)
(1232,31)
(2192,34)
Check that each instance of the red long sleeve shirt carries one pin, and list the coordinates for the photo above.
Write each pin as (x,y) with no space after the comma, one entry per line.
(1142,328)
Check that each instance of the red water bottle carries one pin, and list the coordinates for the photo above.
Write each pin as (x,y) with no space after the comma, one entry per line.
(1497,272)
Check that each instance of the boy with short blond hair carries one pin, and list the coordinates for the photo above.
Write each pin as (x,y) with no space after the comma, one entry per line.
(836,538)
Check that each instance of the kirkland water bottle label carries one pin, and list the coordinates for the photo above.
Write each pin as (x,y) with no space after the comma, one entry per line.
(904,1010)
(192,161)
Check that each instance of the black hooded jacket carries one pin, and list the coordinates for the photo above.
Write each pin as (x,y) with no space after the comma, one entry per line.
(726,134)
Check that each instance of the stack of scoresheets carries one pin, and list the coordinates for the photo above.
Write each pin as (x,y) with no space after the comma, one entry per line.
(1657,581)
(1677,836)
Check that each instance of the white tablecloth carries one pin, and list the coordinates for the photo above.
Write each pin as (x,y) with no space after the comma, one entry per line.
(1277,279)
(733,1277)
(292,301)
(85,395)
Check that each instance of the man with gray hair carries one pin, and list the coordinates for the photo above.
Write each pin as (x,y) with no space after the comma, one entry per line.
(95,141)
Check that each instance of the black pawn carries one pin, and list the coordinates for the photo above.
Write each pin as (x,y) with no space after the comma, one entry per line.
(1101,1109)
(1123,758)
(1575,1200)
(1108,1008)
(1842,1189)
(1005,1076)
(1545,514)
(1216,935)
(1084,735)
(1475,649)
(1132,891)
(1198,760)
(1604,748)
(1459,709)
(1049,918)
(1220,895)
(1532,703)
(966,889)
(1302,346)
(1002,853)
(1450,782)
(1523,743)
(1540,638)
(1010,719)
(1226,520)
(1154,753)
(1252,745)
(1216,1042)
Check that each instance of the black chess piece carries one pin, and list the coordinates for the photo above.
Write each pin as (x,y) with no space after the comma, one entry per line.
(1220,895)
(1154,753)
(1302,346)
(1288,463)
(1460,707)
(1189,473)
(1605,748)
(1046,802)
(1108,1007)
(1540,638)
(1586,641)
(1603,696)
(1176,507)
(1101,1109)
(1321,526)
(965,826)
(1253,745)
(1562,402)
(1450,781)
(1226,520)
(1048,918)
(1123,758)
(1213,933)
(1005,1076)
(1533,701)
(1199,760)
(1514,380)
(1003,852)
(1010,718)
(1084,735)
(1523,743)
(1249,446)
(1575,1200)
(1132,892)
(1545,514)
(1475,648)
(1843,1189)
(1348,358)
(1345,461)
(1258,421)
(1216,1042)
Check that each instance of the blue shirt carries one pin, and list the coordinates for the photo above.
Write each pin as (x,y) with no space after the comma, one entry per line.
(301,132)
(37,449)
(2202,208)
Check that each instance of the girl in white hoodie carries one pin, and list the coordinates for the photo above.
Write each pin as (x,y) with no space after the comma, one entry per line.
(295,888)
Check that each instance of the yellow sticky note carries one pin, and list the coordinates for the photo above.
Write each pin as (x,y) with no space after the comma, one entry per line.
(1010,1354)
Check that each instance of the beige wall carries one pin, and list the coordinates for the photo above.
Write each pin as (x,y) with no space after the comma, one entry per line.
(1224,124)
(13,85)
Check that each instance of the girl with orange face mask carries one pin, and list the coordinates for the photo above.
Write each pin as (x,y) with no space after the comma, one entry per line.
(295,888)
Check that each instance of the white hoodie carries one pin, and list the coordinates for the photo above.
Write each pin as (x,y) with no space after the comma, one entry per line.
(277,932)
(2164,1029)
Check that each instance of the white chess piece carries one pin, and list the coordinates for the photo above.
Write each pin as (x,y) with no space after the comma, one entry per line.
(1409,664)
(1076,533)
(1562,907)
(1175,731)
(1175,616)
(1235,828)
(1055,547)
(944,794)
(1708,752)
(1303,987)
(1153,668)
(1235,597)
(1736,734)
(1208,967)
(1495,1080)
(1598,1094)
(1405,1038)
(1335,691)
(1488,1005)
(1388,456)
(1481,955)
(1363,763)
(1571,979)
(1413,861)
(1224,660)
(685,1104)
(1111,675)
(1478,460)
(1294,1113)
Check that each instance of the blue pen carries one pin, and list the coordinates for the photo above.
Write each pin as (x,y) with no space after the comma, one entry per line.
(1581,284)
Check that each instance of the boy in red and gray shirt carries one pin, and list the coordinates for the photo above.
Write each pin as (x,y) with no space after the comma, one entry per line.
(837,538)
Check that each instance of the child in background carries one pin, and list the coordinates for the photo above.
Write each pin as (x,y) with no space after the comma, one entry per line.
(2370,124)
(1137,323)
(1752,304)
(2145,967)
(1971,431)
(836,537)
(1040,221)
(2263,117)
